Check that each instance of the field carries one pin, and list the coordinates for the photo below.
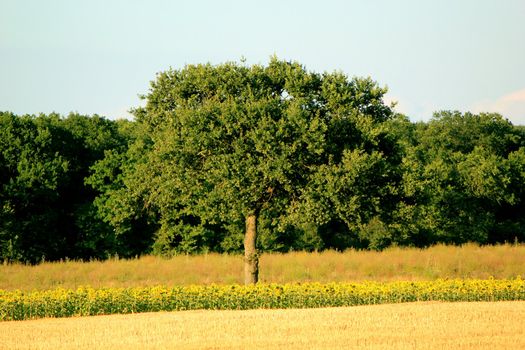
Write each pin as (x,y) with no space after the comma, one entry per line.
(298,280)
(401,326)
(394,264)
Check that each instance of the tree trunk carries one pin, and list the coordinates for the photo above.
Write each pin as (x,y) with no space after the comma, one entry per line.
(251,257)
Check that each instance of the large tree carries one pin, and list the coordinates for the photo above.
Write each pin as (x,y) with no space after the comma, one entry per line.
(233,143)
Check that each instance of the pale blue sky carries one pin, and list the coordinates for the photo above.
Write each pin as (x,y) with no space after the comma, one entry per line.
(96,56)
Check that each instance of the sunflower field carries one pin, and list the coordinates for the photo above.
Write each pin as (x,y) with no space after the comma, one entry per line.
(87,301)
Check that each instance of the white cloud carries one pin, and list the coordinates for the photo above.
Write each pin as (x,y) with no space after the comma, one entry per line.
(510,106)
(416,112)
(400,106)
(120,113)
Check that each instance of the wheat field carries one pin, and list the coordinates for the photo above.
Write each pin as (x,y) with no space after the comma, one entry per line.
(485,325)
(394,264)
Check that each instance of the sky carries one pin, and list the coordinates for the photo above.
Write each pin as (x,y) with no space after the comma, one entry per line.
(98,56)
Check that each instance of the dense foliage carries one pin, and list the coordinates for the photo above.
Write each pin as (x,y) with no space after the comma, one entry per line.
(318,160)
(463,180)
(46,210)
(19,305)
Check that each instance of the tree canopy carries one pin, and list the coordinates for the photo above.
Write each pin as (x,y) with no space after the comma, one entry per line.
(232,144)
(463,180)
(46,210)
(273,157)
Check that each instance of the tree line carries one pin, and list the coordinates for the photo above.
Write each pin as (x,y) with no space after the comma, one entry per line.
(232,158)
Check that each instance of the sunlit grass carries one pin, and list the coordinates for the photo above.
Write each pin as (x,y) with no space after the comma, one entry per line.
(394,264)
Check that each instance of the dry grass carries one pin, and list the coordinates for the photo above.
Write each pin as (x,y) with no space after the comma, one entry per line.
(401,326)
(469,261)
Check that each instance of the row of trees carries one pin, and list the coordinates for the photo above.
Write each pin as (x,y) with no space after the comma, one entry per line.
(231,157)
(46,209)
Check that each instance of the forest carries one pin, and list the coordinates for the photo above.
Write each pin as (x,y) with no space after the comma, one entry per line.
(229,157)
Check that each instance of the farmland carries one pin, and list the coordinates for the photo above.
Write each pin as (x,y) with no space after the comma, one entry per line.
(412,282)
(295,280)
(484,325)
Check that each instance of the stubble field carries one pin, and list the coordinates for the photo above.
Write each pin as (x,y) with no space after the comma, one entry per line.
(485,325)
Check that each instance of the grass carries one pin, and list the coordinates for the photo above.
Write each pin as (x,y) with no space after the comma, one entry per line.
(394,264)
(398,326)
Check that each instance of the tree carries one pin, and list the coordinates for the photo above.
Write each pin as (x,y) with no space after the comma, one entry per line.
(461,181)
(30,172)
(46,211)
(119,202)
(232,143)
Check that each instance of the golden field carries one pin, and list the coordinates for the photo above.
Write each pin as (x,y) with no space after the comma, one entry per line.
(394,264)
(476,325)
